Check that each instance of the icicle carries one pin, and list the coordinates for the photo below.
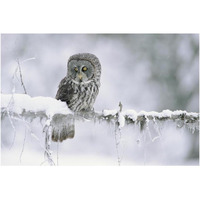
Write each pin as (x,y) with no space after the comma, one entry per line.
(117,143)
(119,123)
(192,127)
(180,123)
(144,146)
(48,132)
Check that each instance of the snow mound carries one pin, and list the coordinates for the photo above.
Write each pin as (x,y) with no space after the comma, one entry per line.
(19,103)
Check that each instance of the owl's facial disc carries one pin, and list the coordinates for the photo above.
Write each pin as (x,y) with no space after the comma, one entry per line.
(80,77)
(81,71)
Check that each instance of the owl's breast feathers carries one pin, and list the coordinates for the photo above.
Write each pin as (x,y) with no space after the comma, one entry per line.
(78,97)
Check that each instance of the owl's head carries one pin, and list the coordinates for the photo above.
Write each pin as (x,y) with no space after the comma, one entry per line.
(84,67)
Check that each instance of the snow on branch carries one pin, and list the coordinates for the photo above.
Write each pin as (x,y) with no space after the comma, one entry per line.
(32,107)
(45,107)
(57,115)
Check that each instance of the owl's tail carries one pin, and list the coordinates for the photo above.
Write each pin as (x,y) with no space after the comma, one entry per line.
(63,127)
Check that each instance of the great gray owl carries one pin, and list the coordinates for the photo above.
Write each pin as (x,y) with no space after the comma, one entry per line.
(78,89)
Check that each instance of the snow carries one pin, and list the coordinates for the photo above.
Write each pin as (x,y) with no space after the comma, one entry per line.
(142,113)
(121,120)
(23,102)
(166,113)
(19,103)
(179,112)
(133,115)
(109,112)
(153,114)
(42,76)
(193,114)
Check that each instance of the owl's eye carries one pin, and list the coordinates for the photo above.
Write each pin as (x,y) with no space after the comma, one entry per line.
(76,69)
(84,68)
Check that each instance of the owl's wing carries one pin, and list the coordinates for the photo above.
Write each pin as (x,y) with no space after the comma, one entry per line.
(65,91)
(63,126)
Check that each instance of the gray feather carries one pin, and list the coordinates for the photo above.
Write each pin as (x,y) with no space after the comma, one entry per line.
(79,96)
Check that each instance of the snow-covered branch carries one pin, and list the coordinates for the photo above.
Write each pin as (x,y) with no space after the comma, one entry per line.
(56,117)
(49,108)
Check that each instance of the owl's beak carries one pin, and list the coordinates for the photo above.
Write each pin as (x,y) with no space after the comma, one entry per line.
(80,76)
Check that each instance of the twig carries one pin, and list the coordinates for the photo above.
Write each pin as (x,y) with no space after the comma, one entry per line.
(20,158)
(28,59)
(21,79)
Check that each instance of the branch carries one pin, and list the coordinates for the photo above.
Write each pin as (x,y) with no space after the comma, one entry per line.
(57,117)
(49,108)
(21,79)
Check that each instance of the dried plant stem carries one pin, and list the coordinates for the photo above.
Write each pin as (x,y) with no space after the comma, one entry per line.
(21,78)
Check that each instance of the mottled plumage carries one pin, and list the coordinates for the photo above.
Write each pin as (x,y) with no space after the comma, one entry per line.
(79,88)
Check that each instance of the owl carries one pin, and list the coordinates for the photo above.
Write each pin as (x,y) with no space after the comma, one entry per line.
(78,89)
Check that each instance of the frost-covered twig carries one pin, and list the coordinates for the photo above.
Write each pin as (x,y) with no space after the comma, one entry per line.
(23,147)
(21,78)
(143,117)
(9,106)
